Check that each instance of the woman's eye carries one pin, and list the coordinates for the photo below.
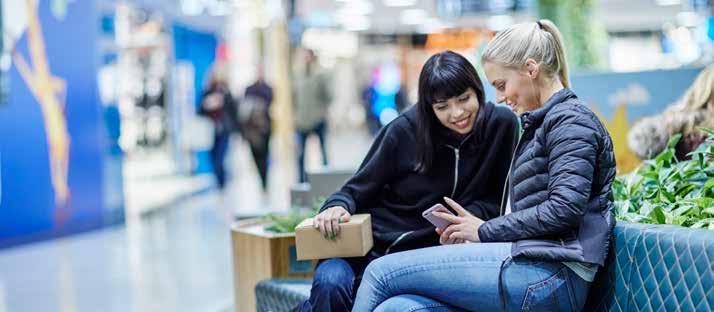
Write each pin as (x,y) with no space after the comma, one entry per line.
(440,107)
(464,99)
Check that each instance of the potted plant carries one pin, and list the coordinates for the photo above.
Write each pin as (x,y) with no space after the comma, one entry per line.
(264,248)
(665,190)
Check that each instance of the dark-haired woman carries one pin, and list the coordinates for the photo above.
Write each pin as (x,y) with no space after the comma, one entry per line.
(451,144)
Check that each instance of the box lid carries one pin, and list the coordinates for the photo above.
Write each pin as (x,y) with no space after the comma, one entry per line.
(354,220)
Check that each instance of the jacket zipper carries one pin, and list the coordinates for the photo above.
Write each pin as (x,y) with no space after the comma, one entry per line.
(453,190)
(456,172)
(506,186)
(401,237)
(456,162)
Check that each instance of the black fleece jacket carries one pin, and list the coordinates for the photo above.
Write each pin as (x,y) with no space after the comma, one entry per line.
(471,170)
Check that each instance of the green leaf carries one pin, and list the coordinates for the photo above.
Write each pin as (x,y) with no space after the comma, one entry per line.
(709,132)
(658,215)
(702,202)
(704,223)
(684,190)
(674,140)
(681,211)
(709,186)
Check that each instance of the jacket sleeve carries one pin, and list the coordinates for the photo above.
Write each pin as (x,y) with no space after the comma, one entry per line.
(488,206)
(572,142)
(376,170)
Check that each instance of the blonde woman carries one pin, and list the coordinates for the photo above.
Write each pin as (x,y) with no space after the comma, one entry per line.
(552,234)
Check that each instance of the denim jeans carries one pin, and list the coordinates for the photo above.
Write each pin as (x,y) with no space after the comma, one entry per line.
(468,277)
(334,284)
(218,156)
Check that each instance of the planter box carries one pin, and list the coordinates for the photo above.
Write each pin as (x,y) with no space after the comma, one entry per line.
(259,255)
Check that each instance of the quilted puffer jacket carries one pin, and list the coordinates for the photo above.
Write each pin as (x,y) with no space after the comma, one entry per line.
(559,186)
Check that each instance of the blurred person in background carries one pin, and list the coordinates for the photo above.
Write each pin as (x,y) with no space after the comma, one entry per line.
(649,136)
(368,96)
(452,143)
(312,96)
(256,123)
(219,105)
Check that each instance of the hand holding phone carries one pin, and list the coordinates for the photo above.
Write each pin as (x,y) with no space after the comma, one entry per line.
(437,221)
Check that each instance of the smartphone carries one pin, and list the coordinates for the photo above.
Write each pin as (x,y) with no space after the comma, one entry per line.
(437,221)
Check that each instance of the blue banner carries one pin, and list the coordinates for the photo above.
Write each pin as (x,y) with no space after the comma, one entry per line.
(52,136)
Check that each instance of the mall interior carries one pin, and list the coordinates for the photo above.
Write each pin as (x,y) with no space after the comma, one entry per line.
(121,189)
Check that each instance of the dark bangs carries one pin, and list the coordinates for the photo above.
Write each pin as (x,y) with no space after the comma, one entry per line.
(445,75)
(443,83)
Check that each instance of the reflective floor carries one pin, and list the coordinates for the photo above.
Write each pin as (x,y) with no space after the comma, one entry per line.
(172,258)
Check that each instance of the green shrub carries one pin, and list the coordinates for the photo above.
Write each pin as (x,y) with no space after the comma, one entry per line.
(664,190)
(287,223)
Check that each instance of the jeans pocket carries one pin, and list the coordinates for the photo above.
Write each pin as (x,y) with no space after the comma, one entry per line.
(551,294)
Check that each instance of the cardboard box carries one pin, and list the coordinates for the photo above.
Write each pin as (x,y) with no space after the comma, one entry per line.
(355,239)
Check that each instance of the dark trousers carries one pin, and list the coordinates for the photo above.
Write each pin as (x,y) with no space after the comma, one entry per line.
(335,283)
(302,136)
(218,156)
(261,156)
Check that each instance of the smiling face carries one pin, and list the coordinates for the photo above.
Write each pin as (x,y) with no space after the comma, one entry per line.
(458,113)
(514,87)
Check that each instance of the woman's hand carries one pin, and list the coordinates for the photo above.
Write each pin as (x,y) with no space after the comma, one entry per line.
(464,226)
(213,102)
(328,221)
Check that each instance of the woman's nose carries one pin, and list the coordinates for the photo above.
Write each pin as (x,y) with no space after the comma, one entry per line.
(457,112)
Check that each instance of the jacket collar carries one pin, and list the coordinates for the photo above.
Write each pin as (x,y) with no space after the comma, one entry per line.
(536,117)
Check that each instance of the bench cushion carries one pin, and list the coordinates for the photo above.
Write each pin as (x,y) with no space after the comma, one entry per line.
(656,267)
(281,295)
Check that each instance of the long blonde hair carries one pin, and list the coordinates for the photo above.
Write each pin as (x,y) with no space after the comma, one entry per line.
(540,41)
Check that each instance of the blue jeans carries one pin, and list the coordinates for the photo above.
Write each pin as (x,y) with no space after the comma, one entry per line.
(334,284)
(218,156)
(468,277)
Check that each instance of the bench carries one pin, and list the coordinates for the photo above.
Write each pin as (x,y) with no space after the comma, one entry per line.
(649,268)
